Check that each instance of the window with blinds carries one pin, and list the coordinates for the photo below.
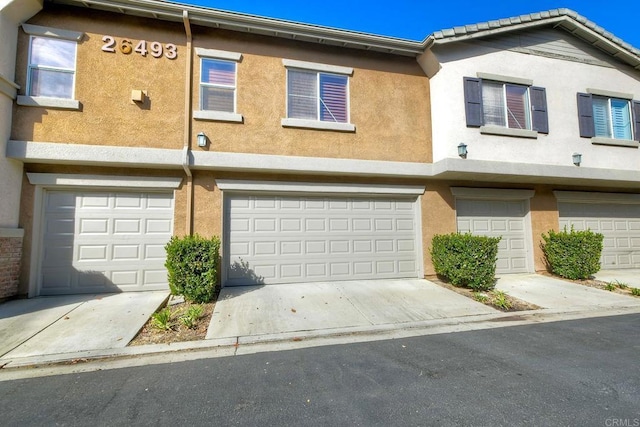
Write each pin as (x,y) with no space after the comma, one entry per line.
(317,96)
(512,105)
(218,85)
(611,117)
(506,105)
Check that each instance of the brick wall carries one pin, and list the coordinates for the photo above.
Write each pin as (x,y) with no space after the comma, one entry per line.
(10,254)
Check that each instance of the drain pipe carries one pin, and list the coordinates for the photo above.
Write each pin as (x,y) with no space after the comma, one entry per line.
(187,124)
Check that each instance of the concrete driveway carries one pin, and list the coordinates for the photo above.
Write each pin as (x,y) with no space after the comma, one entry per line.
(64,324)
(630,277)
(261,310)
(558,294)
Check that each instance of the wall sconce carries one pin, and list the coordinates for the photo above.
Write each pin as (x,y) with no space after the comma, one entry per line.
(202,140)
(577,159)
(462,150)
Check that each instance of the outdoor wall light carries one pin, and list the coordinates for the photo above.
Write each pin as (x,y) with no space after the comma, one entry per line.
(462,150)
(577,159)
(202,140)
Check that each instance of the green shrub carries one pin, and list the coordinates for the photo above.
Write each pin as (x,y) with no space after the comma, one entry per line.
(466,260)
(192,263)
(573,254)
(635,292)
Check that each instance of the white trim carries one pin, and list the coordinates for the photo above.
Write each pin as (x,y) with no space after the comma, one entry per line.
(218,54)
(37,30)
(220,116)
(12,233)
(60,153)
(315,66)
(419,236)
(317,124)
(504,131)
(108,181)
(36,242)
(610,93)
(505,79)
(318,188)
(41,101)
(491,193)
(46,181)
(8,87)
(594,197)
(598,140)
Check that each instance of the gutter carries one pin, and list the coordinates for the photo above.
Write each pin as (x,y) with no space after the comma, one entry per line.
(186,149)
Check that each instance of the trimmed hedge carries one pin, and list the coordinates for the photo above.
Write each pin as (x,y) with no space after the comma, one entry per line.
(192,263)
(573,254)
(466,260)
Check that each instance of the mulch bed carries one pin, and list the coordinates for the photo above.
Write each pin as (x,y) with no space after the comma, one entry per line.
(149,334)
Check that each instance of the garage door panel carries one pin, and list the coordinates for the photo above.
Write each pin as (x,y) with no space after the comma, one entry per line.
(619,223)
(319,238)
(498,218)
(100,246)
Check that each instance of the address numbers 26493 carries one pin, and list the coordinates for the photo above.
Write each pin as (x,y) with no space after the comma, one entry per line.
(143,47)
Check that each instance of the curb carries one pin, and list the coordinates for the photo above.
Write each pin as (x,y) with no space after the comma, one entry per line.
(94,360)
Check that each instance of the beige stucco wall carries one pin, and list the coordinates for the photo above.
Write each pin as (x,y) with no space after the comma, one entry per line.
(104,82)
(389,95)
(544,217)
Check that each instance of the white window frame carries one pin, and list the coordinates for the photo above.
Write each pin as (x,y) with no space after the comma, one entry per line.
(221,116)
(612,134)
(50,102)
(528,118)
(318,69)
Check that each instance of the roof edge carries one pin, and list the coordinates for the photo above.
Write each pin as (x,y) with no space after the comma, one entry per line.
(172,11)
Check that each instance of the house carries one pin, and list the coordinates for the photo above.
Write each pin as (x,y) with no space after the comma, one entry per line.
(315,154)
(302,147)
(548,107)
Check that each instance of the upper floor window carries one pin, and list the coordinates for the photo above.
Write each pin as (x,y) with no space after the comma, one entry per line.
(218,85)
(608,115)
(509,104)
(317,96)
(52,67)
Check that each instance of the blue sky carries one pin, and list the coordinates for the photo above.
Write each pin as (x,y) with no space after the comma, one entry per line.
(414,19)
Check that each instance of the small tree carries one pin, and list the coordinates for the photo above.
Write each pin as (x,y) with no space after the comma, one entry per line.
(192,264)
(573,254)
(466,260)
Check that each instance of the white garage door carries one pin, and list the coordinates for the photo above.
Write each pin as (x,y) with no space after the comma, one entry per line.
(499,218)
(288,239)
(104,241)
(619,223)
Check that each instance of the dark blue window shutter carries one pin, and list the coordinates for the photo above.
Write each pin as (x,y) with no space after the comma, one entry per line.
(539,117)
(636,119)
(585,115)
(473,101)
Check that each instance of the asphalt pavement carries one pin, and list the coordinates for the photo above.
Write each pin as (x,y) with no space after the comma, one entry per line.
(570,373)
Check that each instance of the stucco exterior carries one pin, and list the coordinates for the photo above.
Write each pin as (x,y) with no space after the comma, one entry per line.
(406,109)
(562,79)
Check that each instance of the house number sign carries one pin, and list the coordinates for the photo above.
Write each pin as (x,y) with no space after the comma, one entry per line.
(143,47)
